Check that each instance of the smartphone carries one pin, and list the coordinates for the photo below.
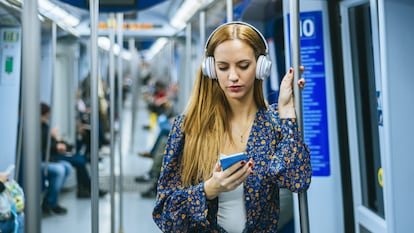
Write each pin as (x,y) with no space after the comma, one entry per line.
(228,160)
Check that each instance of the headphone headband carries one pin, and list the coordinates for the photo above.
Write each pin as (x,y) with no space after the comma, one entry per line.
(236,22)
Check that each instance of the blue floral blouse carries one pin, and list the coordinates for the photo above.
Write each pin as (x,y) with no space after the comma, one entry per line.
(281,160)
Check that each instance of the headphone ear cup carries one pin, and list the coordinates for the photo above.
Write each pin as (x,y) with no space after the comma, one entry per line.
(263,67)
(207,67)
(204,68)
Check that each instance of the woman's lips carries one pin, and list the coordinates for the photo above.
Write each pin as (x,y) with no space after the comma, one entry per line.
(235,88)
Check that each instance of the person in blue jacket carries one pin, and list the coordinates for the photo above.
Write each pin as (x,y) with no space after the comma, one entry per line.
(227,114)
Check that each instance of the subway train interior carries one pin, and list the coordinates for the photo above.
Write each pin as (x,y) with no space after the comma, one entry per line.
(109,75)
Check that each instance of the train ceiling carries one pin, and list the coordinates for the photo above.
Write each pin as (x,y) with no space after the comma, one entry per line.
(115,5)
(146,20)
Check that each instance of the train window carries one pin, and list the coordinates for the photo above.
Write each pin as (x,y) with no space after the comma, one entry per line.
(363,229)
(366,107)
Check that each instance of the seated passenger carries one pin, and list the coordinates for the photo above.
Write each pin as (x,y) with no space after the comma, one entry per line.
(56,173)
(84,128)
(61,151)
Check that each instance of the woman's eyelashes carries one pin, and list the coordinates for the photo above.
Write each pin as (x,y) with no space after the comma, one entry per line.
(244,67)
(241,67)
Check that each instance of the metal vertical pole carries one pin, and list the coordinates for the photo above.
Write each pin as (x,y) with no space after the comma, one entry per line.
(172,71)
(229,10)
(19,145)
(134,62)
(295,57)
(52,95)
(120,23)
(31,117)
(188,59)
(202,30)
(112,116)
(52,66)
(94,12)
(135,76)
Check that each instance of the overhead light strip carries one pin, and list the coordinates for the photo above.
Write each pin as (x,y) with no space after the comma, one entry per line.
(53,12)
(105,44)
(186,11)
(156,48)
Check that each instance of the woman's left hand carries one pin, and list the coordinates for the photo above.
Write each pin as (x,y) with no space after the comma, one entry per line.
(286,101)
(231,178)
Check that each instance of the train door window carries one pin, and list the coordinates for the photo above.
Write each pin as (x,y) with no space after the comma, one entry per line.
(366,103)
(361,88)
(362,229)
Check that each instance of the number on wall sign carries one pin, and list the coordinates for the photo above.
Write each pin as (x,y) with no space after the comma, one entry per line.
(307,28)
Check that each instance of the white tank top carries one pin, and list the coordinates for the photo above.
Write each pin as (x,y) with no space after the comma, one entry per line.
(232,210)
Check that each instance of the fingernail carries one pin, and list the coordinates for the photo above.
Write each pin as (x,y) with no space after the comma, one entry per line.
(242,162)
(290,70)
(250,164)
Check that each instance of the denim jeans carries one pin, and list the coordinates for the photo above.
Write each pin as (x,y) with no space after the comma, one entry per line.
(57,173)
(79,162)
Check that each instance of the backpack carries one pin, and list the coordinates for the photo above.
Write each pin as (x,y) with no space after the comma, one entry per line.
(6,202)
(17,194)
(11,202)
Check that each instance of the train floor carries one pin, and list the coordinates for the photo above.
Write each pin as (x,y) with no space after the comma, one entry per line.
(136,214)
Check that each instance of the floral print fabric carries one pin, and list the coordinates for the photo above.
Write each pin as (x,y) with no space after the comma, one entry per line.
(281,160)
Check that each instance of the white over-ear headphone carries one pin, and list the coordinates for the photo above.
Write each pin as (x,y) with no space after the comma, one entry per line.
(263,62)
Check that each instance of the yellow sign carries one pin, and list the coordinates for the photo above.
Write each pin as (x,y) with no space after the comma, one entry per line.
(380,180)
(128,26)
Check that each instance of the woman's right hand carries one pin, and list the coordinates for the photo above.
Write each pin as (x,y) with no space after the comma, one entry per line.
(227,180)
(286,103)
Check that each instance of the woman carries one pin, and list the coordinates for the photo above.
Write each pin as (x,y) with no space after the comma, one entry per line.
(228,114)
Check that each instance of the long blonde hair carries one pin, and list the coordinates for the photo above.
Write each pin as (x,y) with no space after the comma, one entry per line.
(207,114)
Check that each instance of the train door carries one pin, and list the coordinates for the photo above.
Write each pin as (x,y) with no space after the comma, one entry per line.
(364,112)
(10,61)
